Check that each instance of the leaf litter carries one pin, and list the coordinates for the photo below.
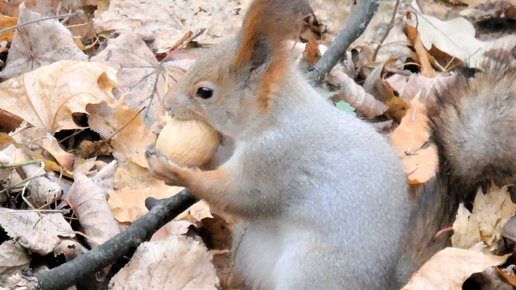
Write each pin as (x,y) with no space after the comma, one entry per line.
(88,104)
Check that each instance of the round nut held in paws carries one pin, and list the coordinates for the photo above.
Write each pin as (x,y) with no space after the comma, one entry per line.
(189,142)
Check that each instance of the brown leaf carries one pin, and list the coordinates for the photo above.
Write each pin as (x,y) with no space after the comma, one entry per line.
(133,184)
(125,127)
(167,21)
(87,197)
(410,140)
(12,258)
(456,37)
(485,223)
(6,22)
(36,231)
(422,54)
(43,188)
(142,80)
(39,137)
(449,268)
(47,97)
(175,263)
(39,44)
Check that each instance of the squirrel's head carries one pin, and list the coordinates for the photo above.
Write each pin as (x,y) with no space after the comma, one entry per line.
(232,84)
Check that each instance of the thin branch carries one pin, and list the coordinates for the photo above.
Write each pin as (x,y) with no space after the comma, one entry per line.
(141,230)
(76,13)
(389,28)
(355,26)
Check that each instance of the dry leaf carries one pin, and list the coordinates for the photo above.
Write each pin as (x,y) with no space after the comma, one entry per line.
(175,263)
(456,37)
(35,138)
(47,97)
(410,140)
(133,184)
(130,135)
(449,268)
(12,258)
(87,197)
(5,22)
(465,229)
(43,187)
(174,227)
(421,52)
(36,231)
(39,44)
(485,223)
(167,21)
(409,86)
(142,80)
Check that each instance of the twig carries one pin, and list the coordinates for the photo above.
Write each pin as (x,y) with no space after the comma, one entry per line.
(76,13)
(354,27)
(141,230)
(389,27)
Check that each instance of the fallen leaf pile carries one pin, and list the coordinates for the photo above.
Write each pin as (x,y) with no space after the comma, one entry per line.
(81,100)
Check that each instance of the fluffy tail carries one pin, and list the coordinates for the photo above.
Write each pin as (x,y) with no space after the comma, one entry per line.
(473,124)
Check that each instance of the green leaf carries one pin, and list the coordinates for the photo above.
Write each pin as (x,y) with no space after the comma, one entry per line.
(345,106)
(327,94)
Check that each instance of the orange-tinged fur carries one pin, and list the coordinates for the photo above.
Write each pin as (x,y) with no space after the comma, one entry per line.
(274,21)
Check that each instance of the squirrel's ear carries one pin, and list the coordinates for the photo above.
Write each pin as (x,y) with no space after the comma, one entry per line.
(267,24)
(260,53)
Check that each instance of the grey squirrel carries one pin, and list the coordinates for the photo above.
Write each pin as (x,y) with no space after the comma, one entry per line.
(320,195)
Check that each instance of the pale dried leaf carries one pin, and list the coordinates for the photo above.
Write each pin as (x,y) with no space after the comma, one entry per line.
(142,80)
(36,231)
(87,197)
(493,210)
(198,211)
(409,86)
(43,187)
(35,137)
(39,44)
(12,258)
(133,184)
(167,21)
(175,263)
(449,268)
(174,227)
(130,135)
(47,97)
(456,37)
(465,229)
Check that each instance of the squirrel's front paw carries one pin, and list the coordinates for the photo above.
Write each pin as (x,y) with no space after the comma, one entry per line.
(166,170)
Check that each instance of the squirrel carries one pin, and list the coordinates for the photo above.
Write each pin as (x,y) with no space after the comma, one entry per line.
(320,195)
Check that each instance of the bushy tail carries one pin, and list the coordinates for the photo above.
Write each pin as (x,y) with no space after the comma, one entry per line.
(473,124)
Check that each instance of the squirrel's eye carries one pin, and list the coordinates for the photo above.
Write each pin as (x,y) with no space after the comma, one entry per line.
(204,92)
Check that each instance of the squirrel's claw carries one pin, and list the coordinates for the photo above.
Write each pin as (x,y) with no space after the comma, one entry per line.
(161,167)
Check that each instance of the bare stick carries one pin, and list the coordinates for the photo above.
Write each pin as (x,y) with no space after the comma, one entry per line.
(76,13)
(141,230)
(389,28)
(354,27)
